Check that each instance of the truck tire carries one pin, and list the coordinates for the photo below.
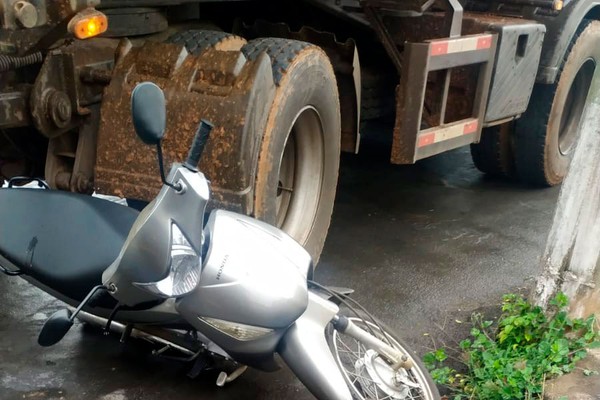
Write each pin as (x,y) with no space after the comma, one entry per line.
(546,135)
(493,155)
(198,41)
(377,94)
(299,154)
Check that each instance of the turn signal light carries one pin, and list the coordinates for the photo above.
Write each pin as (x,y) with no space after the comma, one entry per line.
(88,24)
(558,5)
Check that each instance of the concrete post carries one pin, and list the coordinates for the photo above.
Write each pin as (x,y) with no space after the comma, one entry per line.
(571,259)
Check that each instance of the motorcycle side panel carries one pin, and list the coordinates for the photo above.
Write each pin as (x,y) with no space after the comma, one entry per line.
(305,350)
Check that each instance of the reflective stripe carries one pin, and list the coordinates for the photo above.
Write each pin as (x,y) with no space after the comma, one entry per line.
(442,47)
(467,127)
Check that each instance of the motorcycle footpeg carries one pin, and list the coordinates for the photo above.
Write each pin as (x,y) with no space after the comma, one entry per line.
(224,378)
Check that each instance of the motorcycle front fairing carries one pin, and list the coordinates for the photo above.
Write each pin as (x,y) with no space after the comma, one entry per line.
(253,287)
(146,256)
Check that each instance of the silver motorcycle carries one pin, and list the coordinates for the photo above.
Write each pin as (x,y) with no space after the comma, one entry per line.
(226,291)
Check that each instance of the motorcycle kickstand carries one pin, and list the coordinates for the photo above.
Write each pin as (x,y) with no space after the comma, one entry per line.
(225,378)
(201,364)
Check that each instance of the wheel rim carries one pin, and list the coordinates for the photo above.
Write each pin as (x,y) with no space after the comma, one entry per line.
(366,373)
(574,106)
(301,175)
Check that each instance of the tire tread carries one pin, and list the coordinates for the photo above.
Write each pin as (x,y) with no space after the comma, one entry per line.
(492,155)
(197,41)
(281,51)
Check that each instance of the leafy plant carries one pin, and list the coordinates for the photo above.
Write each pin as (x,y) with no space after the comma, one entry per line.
(511,359)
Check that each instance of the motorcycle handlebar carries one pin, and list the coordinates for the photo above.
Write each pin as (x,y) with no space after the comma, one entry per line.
(198,145)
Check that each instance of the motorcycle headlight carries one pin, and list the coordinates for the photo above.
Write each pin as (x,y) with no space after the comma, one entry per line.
(184,271)
(236,330)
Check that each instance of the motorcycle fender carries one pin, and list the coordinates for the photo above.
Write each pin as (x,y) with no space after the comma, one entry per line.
(305,350)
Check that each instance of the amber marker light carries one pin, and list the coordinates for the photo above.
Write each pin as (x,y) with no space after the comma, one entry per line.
(558,5)
(88,24)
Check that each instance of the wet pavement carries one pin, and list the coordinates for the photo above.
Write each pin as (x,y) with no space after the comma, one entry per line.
(424,246)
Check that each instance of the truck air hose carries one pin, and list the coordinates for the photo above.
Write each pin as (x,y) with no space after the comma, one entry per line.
(8,63)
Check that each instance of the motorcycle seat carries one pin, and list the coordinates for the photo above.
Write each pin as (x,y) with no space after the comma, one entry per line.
(63,240)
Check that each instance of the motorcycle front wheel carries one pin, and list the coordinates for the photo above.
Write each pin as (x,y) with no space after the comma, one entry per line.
(368,375)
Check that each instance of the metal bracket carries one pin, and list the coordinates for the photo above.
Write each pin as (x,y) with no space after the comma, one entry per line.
(411,143)
(385,37)
(373,10)
(454,18)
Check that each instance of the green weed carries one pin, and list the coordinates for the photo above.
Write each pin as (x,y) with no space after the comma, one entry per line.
(511,358)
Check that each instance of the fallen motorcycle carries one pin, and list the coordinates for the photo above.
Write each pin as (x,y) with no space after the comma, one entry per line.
(227,290)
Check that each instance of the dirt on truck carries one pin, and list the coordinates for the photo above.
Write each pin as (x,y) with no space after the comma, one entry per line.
(288,86)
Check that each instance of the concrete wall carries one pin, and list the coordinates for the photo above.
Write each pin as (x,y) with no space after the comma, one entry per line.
(571,259)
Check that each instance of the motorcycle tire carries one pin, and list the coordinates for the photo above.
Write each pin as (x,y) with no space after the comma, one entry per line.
(365,372)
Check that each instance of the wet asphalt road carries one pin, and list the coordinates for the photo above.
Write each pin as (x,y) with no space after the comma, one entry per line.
(424,246)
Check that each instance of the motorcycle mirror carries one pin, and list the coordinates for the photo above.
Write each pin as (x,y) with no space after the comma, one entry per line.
(55,328)
(148,112)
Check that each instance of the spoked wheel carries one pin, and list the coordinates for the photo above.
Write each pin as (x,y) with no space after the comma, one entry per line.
(370,376)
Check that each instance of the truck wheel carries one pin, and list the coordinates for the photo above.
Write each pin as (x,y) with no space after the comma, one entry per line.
(197,41)
(546,135)
(378,95)
(493,155)
(298,163)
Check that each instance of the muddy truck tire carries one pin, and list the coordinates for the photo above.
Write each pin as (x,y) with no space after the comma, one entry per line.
(546,135)
(494,154)
(299,154)
(198,41)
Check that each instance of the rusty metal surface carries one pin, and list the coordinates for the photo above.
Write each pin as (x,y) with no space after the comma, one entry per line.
(344,58)
(58,97)
(427,27)
(134,21)
(394,30)
(222,87)
(417,6)
(64,105)
(409,102)
(14,107)
(18,42)
(70,158)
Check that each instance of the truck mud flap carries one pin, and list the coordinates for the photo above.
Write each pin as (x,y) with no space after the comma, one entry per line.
(412,140)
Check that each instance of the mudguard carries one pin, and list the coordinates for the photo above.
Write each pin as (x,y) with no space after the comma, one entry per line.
(560,30)
(223,87)
(305,350)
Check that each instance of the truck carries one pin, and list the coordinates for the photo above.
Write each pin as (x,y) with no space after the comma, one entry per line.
(288,86)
